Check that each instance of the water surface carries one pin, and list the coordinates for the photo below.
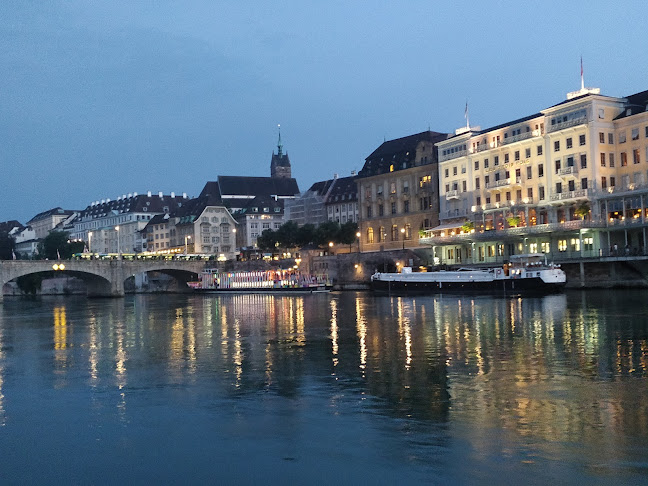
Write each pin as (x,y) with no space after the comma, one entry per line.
(347,388)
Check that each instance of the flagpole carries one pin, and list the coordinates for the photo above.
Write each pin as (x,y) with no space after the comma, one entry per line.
(582,79)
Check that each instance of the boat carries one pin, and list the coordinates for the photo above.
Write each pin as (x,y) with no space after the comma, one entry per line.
(525,274)
(268,281)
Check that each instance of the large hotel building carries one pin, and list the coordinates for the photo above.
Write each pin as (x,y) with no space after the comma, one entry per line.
(570,181)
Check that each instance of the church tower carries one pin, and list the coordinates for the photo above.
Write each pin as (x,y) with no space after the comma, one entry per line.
(280,164)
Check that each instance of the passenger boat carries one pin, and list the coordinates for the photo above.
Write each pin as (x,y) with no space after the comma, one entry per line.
(526,274)
(269,281)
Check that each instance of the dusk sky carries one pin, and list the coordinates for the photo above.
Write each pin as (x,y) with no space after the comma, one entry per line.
(103,98)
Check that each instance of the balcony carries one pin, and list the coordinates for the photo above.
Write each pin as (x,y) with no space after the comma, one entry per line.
(567,124)
(573,170)
(452,195)
(455,213)
(511,181)
(455,155)
(561,196)
(518,138)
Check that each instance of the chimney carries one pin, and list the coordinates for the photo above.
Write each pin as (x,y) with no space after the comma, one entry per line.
(354,173)
(335,176)
(148,194)
(130,194)
(184,195)
(160,194)
(172,195)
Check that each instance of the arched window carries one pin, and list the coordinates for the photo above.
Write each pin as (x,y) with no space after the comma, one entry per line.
(370,235)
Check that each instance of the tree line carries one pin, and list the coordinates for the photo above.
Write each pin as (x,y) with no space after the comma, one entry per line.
(56,244)
(291,235)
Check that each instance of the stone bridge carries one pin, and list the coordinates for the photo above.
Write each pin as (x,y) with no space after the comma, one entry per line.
(103,278)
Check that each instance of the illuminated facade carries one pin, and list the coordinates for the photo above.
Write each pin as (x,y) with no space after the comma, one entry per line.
(569,181)
(398,192)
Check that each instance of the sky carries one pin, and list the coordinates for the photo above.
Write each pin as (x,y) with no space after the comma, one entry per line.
(110,97)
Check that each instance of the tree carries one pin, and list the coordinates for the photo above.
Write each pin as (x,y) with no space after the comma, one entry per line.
(467,227)
(7,246)
(513,221)
(582,210)
(287,234)
(327,232)
(347,233)
(305,235)
(57,244)
(267,240)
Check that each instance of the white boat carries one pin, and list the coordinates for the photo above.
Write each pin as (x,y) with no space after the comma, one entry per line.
(525,274)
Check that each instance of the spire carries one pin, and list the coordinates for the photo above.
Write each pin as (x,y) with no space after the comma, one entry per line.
(279,144)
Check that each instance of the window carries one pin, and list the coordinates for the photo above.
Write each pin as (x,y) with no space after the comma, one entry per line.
(405,187)
(601,137)
(476,182)
(496,161)
(646,131)
(610,138)
(603,182)
(394,232)
(583,161)
(562,245)
(497,176)
(478,200)
(506,158)
(527,153)
(463,169)
(406,206)
(624,159)
(381,210)
(584,183)
(370,235)
(381,234)
(391,168)
(486,163)
(611,159)
(612,182)
(517,155)
(369,212)
(602,159)
(408,231)
(581,140)
(447,187)
(529,172)
(635,156)
(557,165)
(476,164)
(571,185)
(556,145)
(540,170)
(393,207)
(635,134)
(558,187)
(541,193)
(569,143)
(601,113)
(447,172)
(498,197)
(518,194)
(622,137)
(530,193)
(486,180)
(463,186)
(539,149)
(379,189)
(392,188)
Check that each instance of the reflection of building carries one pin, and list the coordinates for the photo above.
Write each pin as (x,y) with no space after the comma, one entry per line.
(570,180)
(398,192)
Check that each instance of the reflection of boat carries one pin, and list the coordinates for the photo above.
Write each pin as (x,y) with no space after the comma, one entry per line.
(269,281)
(526,274)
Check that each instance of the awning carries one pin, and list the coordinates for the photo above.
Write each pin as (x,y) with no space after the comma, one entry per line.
(446,226)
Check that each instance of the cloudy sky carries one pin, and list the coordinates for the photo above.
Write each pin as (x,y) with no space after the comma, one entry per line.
(102,98)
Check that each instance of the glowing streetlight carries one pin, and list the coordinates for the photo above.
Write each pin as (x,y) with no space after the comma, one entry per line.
(90,241)
(187,238)
(118,243)
(403,234)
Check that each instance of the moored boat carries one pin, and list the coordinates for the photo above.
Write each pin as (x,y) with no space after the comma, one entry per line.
(526,274)
(269,281)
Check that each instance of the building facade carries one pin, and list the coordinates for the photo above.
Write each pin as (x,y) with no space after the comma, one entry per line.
(569,181)
(397,192)
(46,221)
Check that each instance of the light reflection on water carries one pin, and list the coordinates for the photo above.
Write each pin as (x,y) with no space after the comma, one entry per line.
(427,388)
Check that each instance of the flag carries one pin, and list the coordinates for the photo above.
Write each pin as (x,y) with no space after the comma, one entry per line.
(466,111)
(581,66)
(58,255)
(13,254)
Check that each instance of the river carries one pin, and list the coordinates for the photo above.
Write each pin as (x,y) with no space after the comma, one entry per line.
(325,388)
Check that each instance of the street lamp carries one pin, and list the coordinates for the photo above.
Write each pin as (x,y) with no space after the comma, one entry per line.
(187,237)
(234,233)
(358,238)
(118,245)
(90,241)
(403,233)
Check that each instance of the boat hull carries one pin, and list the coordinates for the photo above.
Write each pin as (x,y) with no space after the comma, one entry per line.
(522,286)
(266,290)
